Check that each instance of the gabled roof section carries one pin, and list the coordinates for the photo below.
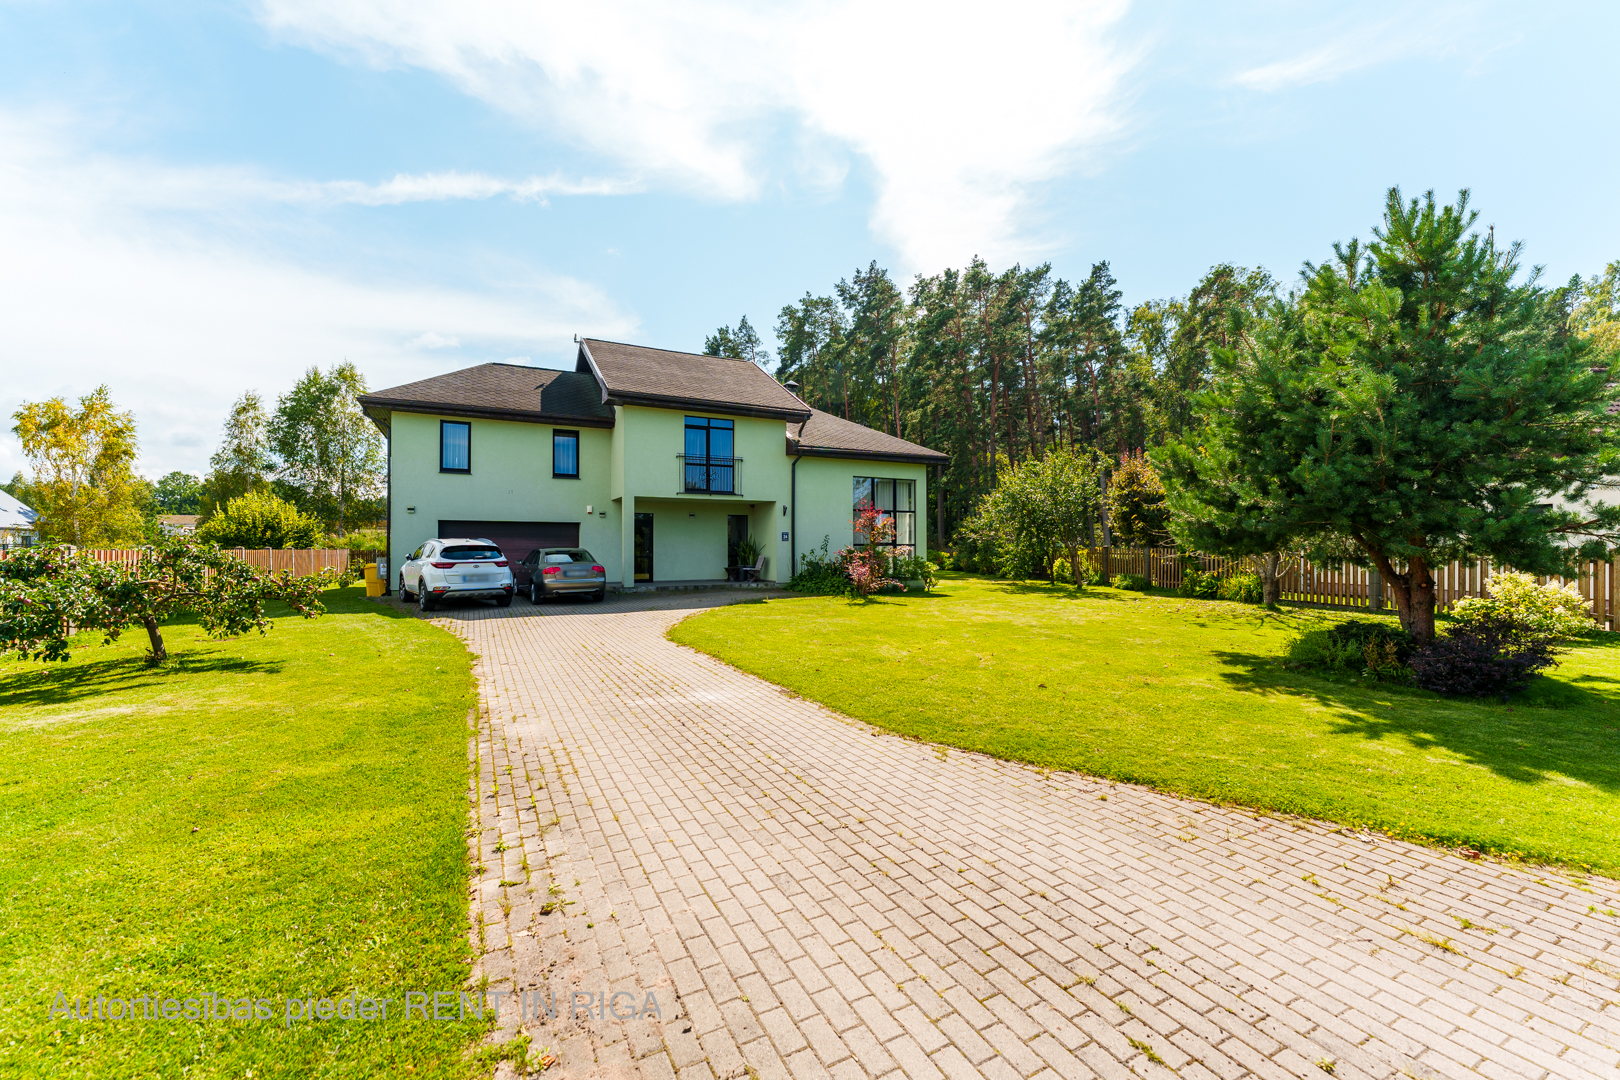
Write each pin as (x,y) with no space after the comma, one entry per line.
(635,375)
(14,513)
(826,435)
(497,392)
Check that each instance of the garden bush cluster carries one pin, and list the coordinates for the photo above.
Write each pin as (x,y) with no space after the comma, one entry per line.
(1494,646)
(863,570)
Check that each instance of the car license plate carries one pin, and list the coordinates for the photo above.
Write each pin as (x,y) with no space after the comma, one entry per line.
(576,573)
(474,579)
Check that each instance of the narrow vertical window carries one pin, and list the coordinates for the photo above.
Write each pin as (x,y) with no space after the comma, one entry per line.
(455,446)
(565,454)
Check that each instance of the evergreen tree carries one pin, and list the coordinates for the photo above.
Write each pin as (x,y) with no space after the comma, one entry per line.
(742,343)
(1415,406)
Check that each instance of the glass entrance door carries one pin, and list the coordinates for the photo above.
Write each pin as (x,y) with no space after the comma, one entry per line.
(644,547)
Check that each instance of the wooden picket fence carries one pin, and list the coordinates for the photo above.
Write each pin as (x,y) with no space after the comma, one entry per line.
(301,562)
(1350,586)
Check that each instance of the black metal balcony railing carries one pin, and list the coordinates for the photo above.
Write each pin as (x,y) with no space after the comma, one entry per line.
(709,475)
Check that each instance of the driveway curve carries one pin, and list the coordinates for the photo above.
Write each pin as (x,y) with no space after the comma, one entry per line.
(802,895)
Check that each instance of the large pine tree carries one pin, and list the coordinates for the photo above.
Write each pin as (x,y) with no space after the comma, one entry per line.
(1414,404)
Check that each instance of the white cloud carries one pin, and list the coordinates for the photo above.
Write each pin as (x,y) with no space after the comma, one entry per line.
(179,320)
(961,109)
(430,340)
(1350,48)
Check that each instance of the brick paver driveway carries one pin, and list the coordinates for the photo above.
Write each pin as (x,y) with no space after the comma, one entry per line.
(805,896)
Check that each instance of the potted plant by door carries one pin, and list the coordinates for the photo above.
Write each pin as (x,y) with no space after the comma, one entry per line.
(747,558)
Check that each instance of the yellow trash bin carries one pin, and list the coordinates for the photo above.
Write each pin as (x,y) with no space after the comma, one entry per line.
(374,584)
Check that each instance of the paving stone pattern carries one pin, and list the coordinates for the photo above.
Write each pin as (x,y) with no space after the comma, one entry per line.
(808,897)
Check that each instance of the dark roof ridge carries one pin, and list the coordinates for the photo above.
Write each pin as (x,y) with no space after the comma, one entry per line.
(677,352)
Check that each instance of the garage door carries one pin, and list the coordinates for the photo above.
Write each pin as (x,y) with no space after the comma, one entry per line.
(516,538)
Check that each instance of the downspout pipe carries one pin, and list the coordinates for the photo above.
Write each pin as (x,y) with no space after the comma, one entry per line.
(793,519)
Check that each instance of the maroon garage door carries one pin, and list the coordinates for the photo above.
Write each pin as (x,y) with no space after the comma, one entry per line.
(516,538)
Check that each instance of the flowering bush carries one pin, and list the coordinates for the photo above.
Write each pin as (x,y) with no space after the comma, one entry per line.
(820,573)
(867,567)
(1551,611)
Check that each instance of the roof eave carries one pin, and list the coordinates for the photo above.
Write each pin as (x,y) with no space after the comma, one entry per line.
(480,412)
(930,458)
(663,401)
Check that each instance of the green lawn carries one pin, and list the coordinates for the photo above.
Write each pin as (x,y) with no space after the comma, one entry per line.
(1189,697)
(268,817)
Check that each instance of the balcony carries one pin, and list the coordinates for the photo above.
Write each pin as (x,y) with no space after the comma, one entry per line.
(708,475)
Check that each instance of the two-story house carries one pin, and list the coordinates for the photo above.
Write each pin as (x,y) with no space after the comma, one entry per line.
(657,462)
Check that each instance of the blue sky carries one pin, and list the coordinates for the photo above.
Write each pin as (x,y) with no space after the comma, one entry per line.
(198,199)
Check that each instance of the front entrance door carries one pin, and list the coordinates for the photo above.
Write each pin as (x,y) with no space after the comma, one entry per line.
(736,533)
(644,547)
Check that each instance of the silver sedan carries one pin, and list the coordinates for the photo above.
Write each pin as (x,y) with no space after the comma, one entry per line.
(556,571)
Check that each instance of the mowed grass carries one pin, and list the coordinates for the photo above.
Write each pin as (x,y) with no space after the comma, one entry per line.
(1190,697)
(264,818)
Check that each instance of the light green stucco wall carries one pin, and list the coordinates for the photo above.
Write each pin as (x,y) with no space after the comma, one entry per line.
(827,499)
(652,440)
(629,468)
(510,481)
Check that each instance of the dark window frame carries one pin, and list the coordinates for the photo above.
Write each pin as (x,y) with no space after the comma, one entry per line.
(557,433)
(890,512)
(458,423)
(701,473)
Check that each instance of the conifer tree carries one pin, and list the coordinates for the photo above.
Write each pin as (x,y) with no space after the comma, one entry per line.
(1412,406)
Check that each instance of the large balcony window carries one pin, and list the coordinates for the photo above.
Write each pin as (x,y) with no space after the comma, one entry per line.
(709,464)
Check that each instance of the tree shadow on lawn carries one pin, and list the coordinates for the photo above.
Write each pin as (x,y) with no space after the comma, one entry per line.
(64,683)
(1566,726)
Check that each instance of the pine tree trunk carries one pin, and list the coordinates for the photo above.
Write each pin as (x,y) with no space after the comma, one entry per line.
(159,653)
(1271,579)
(1414,600)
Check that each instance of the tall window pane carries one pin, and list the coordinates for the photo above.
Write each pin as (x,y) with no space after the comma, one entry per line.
(455,446)
(565,453)
(905,495)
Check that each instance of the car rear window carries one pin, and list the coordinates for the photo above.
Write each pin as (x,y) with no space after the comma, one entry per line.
(468,553)
(568,556)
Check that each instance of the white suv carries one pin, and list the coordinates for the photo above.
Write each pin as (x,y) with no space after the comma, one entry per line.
(458,567)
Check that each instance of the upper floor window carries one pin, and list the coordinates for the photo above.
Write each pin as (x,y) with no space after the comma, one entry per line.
(565,454)
(895,502)
(455,446)
(710,462)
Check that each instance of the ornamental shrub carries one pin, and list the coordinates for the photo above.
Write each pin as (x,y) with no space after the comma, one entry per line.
(1196,583)
(1550,611)
(1063,573)
(1244,588)
(914,568)
(260,520)
(1365,647)
(1132,582)
(1487,656)
(819,573)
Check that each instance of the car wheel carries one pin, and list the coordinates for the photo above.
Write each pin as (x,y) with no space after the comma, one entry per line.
(534,593)
(599,595)
(404,595)
(504,601)
(424,602)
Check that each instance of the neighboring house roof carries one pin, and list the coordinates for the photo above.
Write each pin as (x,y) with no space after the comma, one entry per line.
(15,515)
(634,375)
(826,435)
(185,520)
(498,392)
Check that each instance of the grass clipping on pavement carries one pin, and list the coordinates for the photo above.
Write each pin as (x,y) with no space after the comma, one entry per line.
(266,817)
(1190,697)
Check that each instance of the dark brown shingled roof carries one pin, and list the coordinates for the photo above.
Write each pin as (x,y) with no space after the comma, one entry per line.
(634,375)
(826,435)
(499,392)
